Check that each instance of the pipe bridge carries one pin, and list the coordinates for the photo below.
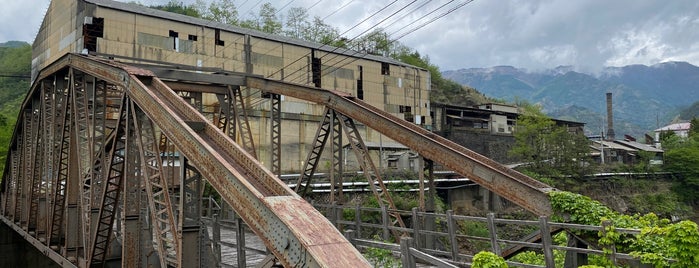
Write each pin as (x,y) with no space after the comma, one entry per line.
(108,163)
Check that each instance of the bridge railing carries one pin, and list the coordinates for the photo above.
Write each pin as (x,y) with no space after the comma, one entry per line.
(456,238)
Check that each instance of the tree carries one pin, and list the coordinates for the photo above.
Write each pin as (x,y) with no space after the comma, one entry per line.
(296,22)
(376,42)
(269,21)
(547,148)
(320,32)
(694,128)
(179,8)
(223,11)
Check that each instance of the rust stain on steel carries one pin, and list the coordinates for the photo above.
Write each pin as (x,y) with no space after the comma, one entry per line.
(317,235)
(516,187)
(210,151)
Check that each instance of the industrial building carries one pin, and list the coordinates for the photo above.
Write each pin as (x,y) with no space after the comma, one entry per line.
(139,35)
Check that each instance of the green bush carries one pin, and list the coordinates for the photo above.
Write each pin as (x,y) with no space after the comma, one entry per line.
(486,259)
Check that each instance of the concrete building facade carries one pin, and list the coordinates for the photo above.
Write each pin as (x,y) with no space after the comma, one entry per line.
(135,34)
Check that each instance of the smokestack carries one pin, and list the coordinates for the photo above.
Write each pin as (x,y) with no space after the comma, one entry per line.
(610,118)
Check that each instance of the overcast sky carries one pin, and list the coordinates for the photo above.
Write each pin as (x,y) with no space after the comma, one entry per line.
(587,34)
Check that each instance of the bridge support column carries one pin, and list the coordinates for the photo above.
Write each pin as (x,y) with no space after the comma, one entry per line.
(133,183)
(336,173)
(190,210)
(72,249)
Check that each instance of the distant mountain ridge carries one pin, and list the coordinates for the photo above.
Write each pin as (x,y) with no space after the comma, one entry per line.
(643,96)
(14,44)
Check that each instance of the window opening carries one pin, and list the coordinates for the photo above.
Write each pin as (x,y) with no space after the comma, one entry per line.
(385,69)
(219,42)
(93,28)
(360,84)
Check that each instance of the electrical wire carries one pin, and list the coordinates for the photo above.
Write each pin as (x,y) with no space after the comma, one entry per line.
(314,4)
(336,10)
(434,19)
(283,7)
(336,48)
(429,13)
(398,38)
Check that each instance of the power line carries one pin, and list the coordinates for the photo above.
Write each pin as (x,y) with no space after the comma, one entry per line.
(429,13)
(283,7)
(377,24)
(412,11)
(314,4)
(336,10)
(434,19)
(336,48)
(403,35)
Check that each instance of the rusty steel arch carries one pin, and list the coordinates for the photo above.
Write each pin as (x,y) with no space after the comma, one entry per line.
(98,140)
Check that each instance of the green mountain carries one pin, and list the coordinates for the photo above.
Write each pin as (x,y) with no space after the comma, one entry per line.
(644,97)
(15,67)
(14,44)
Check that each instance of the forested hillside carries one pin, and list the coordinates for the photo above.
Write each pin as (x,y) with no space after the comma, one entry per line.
(15,65)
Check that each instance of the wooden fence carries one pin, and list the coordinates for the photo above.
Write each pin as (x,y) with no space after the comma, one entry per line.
(443,236)
(438,239)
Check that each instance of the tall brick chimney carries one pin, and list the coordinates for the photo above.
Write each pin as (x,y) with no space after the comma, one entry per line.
(610,118)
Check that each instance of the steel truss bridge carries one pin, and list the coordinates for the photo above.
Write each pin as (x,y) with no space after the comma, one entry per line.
(108,160)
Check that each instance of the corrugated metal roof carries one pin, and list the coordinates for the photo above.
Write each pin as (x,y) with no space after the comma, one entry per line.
(142,10)
(640,146)
(675,127)
(612,145)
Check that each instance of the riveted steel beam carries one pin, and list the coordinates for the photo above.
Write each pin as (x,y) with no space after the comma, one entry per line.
(371,173)
(161,211)
(111,190)
(313,158)
(276,134)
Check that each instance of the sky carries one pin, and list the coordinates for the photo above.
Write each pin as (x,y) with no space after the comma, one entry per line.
(530,34)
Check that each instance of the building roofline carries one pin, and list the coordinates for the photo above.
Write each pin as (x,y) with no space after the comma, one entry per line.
(476,109)
(147,11)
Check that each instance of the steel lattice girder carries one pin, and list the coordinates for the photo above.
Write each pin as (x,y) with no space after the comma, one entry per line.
(290,227)
(510,184)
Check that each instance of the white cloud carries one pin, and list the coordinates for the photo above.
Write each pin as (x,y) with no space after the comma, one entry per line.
(528,34)
(636,47)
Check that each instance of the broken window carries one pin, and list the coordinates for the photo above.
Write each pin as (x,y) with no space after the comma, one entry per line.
(360,84)
(219,42)
(385,69)
(316,71)
(93,28)
(175,40)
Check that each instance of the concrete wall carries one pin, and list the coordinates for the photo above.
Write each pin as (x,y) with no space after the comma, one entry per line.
(492,146)
(16,252)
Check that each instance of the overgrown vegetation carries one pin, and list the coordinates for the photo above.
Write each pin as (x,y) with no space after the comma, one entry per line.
(487,259)
(661,243)
(682,159)
(546,148)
